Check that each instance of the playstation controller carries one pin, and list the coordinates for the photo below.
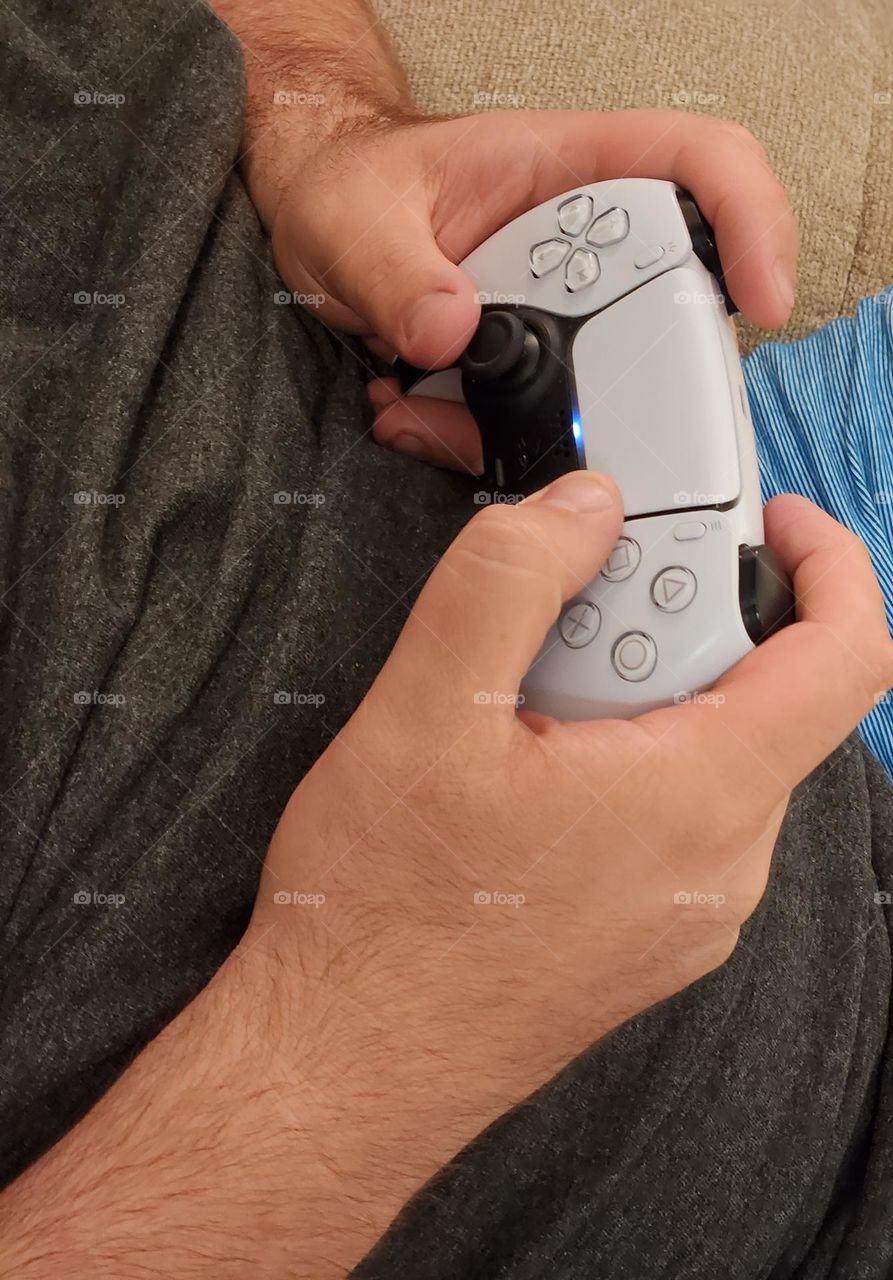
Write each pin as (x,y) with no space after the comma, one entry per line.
(606,341)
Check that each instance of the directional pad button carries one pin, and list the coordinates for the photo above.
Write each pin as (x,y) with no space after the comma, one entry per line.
(548,255)
(582,270)
(574,214)
(609,227)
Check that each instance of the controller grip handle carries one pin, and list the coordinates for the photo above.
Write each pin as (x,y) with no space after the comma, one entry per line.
(765,592)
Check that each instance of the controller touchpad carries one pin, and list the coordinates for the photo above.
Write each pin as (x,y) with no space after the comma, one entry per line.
(654,399)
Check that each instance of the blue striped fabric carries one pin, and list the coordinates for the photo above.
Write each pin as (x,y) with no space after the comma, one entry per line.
(823,414)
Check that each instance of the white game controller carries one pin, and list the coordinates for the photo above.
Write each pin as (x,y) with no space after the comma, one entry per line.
(605,343)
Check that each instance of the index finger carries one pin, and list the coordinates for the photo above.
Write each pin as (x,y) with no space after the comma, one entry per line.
(719,162)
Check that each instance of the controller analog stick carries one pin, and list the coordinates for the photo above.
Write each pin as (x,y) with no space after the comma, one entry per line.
(502,345)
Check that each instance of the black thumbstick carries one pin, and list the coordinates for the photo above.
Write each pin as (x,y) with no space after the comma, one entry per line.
(502,344)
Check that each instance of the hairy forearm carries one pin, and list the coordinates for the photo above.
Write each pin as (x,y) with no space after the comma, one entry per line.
(275,1128)
(252,1137)
(203,1160)
(312,71)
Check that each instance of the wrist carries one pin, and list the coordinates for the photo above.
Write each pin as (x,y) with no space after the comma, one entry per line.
(425,1020)
(286,137)
(310,78)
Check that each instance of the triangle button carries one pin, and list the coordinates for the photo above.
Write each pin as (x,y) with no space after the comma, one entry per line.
(674,589)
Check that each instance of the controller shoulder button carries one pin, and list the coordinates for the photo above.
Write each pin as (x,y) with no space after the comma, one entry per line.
(582,270)
(574,214)
(673,589)
(579,624)
(634,656)
(623,561)
(609,228)
(547,255)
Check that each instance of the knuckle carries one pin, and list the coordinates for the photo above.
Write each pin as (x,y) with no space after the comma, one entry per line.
(493,522)
(740,133)
(496,535)
(388,262)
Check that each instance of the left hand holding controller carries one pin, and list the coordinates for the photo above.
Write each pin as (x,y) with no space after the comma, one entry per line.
(376,218)
(371,204)
(380,224)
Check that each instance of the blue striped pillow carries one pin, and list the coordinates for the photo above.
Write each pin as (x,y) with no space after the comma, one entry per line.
(823,414)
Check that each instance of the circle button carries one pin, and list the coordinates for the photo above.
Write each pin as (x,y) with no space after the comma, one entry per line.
(623,561)
(634,656)
(579,624)
(674,589)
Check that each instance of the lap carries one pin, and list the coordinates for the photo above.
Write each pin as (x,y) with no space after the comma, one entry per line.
(179,643)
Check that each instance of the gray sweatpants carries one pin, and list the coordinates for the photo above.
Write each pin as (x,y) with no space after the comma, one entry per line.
(204,562)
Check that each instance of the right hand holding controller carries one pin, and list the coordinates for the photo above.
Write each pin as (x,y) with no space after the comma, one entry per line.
(436,808)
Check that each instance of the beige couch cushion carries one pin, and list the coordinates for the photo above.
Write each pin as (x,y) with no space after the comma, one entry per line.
(812,80)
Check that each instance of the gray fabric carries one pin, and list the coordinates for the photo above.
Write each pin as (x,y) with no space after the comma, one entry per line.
(199,597)
(742,1129)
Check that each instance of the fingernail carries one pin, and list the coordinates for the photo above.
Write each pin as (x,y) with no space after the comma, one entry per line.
(581,491)
(784,283)
(424,314)
(405,443)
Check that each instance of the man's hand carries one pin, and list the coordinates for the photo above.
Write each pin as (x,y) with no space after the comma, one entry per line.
(377,218)
(485,872)
(459,898)
(371,206)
